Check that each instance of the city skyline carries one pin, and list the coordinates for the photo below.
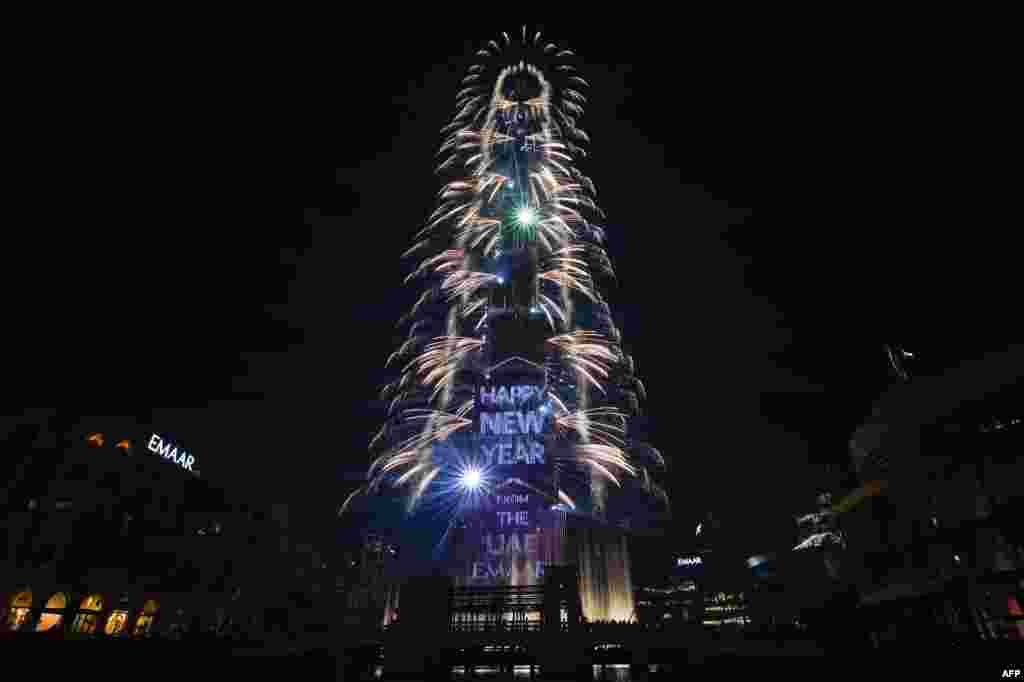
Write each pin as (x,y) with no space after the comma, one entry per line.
(813,278)
(730,236)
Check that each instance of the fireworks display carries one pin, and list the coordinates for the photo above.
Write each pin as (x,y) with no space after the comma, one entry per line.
(515,243)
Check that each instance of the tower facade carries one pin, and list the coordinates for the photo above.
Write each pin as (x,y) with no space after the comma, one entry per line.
(510,416)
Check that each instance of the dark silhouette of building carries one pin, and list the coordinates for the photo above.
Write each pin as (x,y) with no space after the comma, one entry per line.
(369,582)
(933,533)
(109,532)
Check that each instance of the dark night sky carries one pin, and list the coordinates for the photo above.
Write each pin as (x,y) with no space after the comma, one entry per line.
(770,217)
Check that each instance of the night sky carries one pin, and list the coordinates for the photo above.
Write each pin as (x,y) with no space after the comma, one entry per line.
(770,218)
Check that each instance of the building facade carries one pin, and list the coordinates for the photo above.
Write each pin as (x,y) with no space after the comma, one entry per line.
(934,535)
(706,584)
(369,582)
(110,530)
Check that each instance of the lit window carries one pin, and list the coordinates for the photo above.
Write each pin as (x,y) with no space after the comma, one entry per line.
(88,615)
(143,624)
(53,613)
(19,611)
(116,623)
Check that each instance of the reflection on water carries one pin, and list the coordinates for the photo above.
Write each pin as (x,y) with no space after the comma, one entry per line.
(606,587)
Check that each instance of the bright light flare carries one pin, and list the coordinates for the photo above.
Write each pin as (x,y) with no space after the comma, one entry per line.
(471,479)
(526,216)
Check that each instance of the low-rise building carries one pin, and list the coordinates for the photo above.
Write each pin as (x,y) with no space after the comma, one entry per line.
(110,530)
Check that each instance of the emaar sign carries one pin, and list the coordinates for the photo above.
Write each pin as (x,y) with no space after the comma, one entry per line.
(170,452)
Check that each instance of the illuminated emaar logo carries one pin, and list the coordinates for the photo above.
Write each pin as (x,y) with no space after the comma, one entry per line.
(689,561)
(170,452)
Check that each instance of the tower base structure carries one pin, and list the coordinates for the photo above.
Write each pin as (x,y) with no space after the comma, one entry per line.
(595,554)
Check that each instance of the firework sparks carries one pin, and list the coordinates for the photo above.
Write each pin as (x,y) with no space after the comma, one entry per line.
(508,158)
(586,352)
(595,424)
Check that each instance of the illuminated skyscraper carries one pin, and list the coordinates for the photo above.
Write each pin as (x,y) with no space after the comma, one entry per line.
(511,414)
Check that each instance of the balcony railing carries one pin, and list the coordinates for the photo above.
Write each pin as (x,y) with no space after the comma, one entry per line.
(490,627)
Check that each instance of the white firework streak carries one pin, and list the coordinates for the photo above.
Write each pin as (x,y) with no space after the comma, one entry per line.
(442,262)
(410,473)
(544,305)
(455,190)
(380,434)
(566,259)
(605,453)
(402,351)
(553,397)
(570,271)
(468,310)
(585,352)
(478,230)
(488,179)
(607,474)
(436,220)
(440,361)
(416,450)
(589,423)
(598,456)
(466,282)
(423,486)
(390,462)
(569,281)
(450,422)
(549,306)
(348,500)
(465,408)
(556,228)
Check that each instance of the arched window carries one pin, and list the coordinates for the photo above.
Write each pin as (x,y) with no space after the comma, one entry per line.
(19,611)
(53,612)
(144,622)
(88,614)
(117,622)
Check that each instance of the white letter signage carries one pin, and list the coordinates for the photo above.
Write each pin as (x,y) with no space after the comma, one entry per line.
(170,452)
